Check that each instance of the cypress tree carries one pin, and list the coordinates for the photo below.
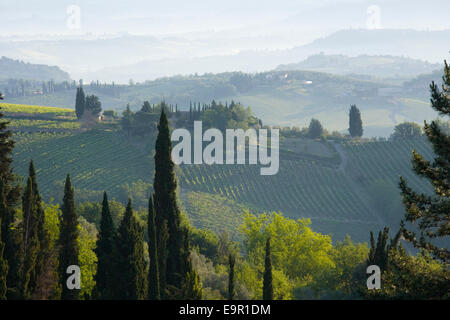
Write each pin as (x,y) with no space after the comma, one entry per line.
(68,240)
(267,282)
(42,234)
(231,261)
(431,213)
(379,251)
(104,278)
(30,242)
(153,272)
(166,209)
(131,281)
(80,101)
(355,123)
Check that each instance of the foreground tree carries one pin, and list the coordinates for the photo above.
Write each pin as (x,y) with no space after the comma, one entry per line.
(104,278)
(68,241)
(403,276)
(355,123)
(43,237)
(417,277)
(130,267)
(267,281)
(431,213)
(171,268)
(30,242)
(153,272)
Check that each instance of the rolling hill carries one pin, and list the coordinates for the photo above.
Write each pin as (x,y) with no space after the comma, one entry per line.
(15,69)
(344,187)
(283,98)
(373,66)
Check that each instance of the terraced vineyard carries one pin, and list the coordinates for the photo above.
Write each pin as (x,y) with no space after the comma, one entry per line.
(301,189)
(97,160)
(387,161)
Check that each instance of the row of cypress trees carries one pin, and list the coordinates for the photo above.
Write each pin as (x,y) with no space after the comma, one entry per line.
(27,261)
(122,273)
(90,103)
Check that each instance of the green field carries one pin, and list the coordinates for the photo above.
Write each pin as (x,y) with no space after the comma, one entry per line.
(12,108)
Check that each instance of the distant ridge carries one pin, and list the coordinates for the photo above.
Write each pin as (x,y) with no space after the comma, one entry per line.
(381,66)
(16,69)
(429,46)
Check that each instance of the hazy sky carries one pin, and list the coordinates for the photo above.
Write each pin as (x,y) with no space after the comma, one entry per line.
(292,20)
(185,29)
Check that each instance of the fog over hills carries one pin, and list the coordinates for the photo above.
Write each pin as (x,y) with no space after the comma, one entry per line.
(146,40)
(123,57)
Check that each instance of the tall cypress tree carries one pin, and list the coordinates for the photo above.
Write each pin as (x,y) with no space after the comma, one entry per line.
(42,234)
(30,242)
(355,127)
(166,208)
(231,261)
(267,282)
(80,101)
(68,240)
(131,283)
(104,279)
(432,212)
(153,272)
